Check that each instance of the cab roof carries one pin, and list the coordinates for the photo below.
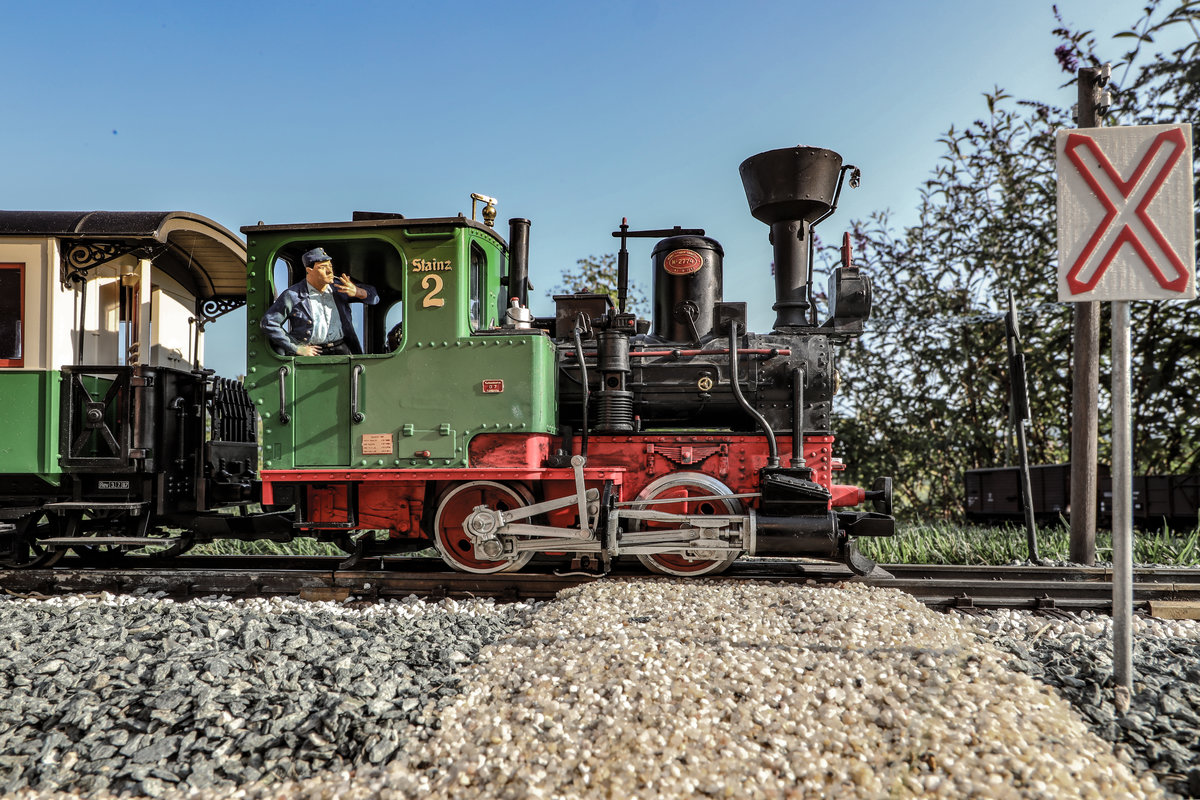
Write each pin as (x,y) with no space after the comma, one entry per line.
(366,221)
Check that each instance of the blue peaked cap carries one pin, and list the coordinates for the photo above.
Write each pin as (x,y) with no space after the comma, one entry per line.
(315,256)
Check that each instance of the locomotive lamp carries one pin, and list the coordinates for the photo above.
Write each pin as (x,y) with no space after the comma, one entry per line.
(849,293)
(489,209)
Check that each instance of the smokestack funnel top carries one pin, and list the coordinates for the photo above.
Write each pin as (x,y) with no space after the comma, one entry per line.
(792,183)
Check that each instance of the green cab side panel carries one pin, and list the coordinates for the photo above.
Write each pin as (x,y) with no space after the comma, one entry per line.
(419,407)
(439,395)
(29,422)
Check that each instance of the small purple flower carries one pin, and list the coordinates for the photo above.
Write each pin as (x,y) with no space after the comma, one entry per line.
(1066,57)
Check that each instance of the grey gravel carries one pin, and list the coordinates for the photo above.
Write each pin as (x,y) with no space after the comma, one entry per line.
(146,695)
(1157,729)
(149,697)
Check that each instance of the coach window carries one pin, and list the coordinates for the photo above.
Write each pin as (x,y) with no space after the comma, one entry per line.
(12,315)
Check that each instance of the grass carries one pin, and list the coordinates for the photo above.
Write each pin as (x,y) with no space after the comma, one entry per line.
(914,543)
(300,546)
(946,543)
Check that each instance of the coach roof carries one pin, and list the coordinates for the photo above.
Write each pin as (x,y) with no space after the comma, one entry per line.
(210,256)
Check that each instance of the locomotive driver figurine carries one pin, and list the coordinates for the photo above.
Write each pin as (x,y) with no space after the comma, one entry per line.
(317,311)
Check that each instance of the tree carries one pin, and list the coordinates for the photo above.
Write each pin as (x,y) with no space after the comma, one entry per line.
(926,389)
(599,275)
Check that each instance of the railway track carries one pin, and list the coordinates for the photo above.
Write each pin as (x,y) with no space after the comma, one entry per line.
(945,587)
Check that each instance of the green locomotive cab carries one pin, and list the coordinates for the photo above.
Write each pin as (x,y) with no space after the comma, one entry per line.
(436,367)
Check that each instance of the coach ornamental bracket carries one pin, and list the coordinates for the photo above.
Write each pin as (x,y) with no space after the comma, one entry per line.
(79,256)
(212,308)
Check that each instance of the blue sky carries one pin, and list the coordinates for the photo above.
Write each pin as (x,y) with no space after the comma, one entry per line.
(571,114)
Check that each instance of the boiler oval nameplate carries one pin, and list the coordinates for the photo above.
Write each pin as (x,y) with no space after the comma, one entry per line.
(683,262)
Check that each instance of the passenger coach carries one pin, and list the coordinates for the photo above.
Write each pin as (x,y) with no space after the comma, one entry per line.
(112,429)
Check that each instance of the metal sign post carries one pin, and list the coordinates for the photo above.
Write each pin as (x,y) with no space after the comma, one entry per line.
(1125,232)
(1122,514)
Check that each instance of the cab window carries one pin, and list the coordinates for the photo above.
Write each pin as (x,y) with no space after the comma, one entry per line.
(281,277)
(368,262)
(394,323)
(478,285)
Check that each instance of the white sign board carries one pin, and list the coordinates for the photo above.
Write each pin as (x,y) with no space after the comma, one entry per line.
(1126,224)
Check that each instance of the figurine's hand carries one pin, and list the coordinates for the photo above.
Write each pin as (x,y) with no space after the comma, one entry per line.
(308,350)
(347,287)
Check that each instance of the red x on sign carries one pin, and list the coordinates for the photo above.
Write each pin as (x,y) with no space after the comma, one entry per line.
(1137,230)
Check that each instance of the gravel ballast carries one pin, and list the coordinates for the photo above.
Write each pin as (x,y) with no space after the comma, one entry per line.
(141,695)
(618,688)
(1157,727)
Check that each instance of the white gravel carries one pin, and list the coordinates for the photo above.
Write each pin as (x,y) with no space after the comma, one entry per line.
(664,688)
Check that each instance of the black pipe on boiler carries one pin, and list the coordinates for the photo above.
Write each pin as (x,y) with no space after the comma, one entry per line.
(797,418)
(518,260)
(735,383)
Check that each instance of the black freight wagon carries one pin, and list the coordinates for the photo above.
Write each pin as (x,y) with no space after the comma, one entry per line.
(994,495)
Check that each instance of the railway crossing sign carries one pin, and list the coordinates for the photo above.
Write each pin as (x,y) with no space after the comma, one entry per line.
(1126,231)
(1126,221)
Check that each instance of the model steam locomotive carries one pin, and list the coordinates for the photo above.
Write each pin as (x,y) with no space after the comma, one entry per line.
(466,423)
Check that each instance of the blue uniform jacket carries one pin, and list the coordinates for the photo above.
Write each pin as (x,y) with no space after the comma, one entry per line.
(292,307)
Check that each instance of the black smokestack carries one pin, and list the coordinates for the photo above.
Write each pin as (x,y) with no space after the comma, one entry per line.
(791,189)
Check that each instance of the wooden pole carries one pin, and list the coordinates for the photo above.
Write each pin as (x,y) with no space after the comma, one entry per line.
(1085,389)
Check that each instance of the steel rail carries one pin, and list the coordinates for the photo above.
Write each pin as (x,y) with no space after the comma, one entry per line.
(318,578)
